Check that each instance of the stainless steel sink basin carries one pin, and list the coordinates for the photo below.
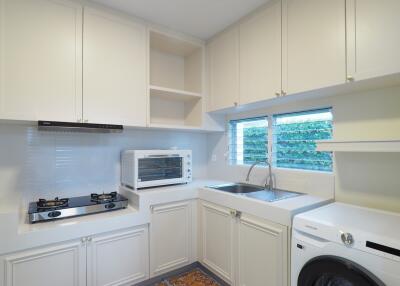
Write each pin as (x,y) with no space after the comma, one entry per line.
(256,192)
(238,188)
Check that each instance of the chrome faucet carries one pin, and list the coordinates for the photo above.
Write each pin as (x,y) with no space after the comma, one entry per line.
(269,182)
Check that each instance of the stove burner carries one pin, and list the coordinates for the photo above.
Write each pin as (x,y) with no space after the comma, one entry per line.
(103,198)
(43,204)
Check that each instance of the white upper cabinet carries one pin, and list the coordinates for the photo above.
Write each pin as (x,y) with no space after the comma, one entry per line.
(260,54)
(114,70)
(314,48)
(223,67)
(40,60)
(373,38)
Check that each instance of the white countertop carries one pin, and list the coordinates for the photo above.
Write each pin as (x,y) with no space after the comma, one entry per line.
(17,234)
(281,211)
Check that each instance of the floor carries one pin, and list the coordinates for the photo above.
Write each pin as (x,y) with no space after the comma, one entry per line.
(195,277)
(191,275)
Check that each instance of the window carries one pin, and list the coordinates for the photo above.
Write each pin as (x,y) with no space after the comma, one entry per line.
(248,140)
(294,140)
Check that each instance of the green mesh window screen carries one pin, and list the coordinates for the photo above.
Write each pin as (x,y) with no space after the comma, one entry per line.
(294,140)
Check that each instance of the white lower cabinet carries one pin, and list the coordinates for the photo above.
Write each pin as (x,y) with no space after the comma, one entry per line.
(262,252)
(118,258)
(61,265)
(242,249)
(216,236)
(171,236)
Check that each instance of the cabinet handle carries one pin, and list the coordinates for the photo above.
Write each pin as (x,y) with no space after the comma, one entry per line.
(350,78)
(278,94)
(238,214)
(283,93)
(233,213)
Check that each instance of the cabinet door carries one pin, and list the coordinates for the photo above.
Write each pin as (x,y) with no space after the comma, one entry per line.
(260,54)
(114,70)
(40,60)
(170,237)
(314,54)
(217,240)
(223,61)
(62,265)
(262,257)
(373,38)
(119,258)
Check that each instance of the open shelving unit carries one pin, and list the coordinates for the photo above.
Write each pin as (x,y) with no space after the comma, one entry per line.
(359,146)
(175,81)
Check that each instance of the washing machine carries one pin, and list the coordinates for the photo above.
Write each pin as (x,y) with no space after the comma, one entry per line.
(345,245)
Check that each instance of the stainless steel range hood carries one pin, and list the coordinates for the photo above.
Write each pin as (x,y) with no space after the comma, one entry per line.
(79,127)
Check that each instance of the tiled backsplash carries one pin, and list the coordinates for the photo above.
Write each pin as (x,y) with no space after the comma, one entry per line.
(46,164)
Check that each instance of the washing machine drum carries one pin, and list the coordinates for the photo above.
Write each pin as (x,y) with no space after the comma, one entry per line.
(335,271)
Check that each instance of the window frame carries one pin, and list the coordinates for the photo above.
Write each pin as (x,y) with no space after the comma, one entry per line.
(271,117)
(230,136)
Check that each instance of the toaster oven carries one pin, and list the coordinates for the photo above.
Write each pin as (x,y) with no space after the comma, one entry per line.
(151,168)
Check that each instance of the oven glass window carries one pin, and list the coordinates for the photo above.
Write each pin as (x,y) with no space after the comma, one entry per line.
(153,169)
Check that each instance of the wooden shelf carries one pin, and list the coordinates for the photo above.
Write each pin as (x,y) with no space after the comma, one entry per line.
(173,94)
(358,146)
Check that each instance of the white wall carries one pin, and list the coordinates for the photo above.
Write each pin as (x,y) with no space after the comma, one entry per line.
(46,164)
(366,179)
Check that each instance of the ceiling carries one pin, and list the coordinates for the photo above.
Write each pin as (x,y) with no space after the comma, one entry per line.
(199,18)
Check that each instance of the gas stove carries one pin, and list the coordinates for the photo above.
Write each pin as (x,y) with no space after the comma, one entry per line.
(46,210)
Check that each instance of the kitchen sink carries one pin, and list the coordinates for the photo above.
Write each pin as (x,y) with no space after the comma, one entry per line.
(238,188)
(256,192)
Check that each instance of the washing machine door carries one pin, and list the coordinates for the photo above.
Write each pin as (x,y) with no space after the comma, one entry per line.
(336,271)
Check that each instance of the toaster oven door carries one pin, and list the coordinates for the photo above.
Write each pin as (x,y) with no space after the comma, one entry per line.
(160,170)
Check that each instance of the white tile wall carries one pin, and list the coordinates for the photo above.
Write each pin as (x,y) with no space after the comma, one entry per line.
(46,164)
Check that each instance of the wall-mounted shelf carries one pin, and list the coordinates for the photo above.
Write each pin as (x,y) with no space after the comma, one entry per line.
(358,146)
(176,82)
(173,94)
(175,63)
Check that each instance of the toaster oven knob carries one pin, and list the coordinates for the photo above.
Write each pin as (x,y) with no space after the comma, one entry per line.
(54,214)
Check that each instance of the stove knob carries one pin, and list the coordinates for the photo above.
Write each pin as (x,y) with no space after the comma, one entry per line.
(110,206)
(54,214)
(347,238)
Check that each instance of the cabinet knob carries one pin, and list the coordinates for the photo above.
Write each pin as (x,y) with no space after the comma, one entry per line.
(235,103)
(278,94)
(89,239)
(86,121)
(350,78)
(284,93)
(83,239)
